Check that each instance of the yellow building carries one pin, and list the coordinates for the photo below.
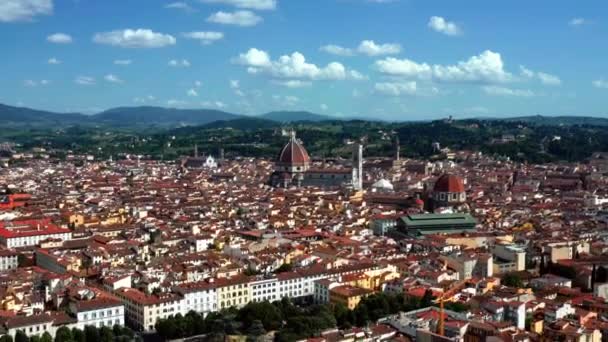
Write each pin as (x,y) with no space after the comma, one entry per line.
(348,295)
(233,291)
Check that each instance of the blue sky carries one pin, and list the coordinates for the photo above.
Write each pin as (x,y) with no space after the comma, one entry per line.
(396,60)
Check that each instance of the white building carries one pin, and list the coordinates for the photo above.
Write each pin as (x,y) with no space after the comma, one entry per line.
(96,308)
(8,259)
(31,325)
(199,296)
(29,233)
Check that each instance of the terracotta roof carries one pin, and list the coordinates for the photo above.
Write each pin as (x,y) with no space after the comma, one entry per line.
(449,183)
(294,153)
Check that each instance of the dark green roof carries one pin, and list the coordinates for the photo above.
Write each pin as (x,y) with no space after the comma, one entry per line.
(434,219)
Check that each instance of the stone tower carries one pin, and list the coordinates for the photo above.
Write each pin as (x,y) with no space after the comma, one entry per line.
(358,167)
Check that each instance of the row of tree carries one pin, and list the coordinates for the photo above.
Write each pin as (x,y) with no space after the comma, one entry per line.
(290,322)
(89,334)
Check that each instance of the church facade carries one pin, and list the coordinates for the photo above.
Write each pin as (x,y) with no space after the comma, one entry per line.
(293,167)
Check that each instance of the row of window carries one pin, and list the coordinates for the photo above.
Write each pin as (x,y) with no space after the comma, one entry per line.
(101,314)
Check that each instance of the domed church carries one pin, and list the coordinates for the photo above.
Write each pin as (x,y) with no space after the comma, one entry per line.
(449,191)
(293,168)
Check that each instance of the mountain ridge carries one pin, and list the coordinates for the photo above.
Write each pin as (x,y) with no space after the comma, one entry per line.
(151,116)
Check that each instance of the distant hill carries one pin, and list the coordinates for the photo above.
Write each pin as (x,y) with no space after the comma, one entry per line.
(243,123)
(19,116)
(293,116)
(557,120)
(146,116)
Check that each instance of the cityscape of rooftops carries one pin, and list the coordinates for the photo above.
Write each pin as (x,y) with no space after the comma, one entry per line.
(303,170)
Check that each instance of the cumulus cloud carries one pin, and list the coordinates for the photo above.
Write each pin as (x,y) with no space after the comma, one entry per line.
(292,67)
(205,37)
(184,63)
(238,18)
(112,78)
(24,10)
(441,25)
(84,80)
(53,60)
(504,91)
(486,67)
(337,50)
(59,38)
(192,92)
(544,78)
(370,48)
(134,38)
(601,83)
(323,107)
(249,4)
(123,62)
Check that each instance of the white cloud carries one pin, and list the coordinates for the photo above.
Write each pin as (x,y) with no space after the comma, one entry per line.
(337,50)
(548,79)
(184,63)
(526,72)
(486,67)
(323,107)
(198,83)
(123,62)
(112,78)
(293,67)
(192,92)
(357,76)
(24,10)
(576,22)
(396,89)
(134,38)
(238,18)
(601,83)
(59,38)
(84,80)
(53,60)
(294,83)
(370,48)
(441,25)
(235,85)
(180,6)
(205,37)
(33,83)
(504,91)
(544,78)
(254,58)
(250,4)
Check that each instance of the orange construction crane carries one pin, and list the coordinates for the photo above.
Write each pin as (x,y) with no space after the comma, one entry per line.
(453,289)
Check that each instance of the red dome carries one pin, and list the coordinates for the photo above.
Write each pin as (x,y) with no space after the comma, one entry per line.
(294,154)
(449,183)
